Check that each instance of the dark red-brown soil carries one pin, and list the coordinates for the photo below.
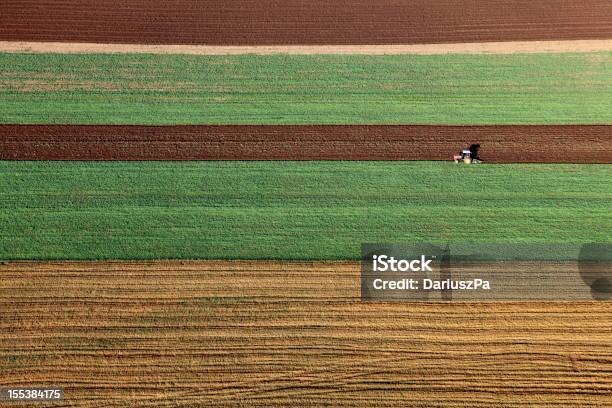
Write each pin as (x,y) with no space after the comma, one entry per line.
(303,22)
(563,144)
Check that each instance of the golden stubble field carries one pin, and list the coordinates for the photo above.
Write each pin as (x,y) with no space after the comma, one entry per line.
(190,334)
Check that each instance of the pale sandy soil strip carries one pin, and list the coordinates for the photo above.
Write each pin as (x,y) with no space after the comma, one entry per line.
(509,47)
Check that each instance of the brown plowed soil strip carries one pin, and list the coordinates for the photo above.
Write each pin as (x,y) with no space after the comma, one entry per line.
(563,144)
(185,334)
(242,22)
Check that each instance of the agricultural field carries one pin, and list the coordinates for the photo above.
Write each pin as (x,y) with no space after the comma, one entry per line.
(267,22)
(454,89)
(499,144)
(185,186)
(229,333)
(290,210)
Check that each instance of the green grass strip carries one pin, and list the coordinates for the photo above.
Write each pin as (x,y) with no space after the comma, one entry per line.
(290,210)
(280,89)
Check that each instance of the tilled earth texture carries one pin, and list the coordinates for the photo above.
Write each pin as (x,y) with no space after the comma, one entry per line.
(499,144)
(297,22)
(187,334)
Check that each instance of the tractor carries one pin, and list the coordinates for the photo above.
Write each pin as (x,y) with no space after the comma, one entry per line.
(468,156)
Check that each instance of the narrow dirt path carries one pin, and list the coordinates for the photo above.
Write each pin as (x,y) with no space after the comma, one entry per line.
(512,47)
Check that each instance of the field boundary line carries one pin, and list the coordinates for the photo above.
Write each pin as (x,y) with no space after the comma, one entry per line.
(507,47)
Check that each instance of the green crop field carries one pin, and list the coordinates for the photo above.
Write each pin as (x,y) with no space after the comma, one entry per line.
(249,89)
(290,210)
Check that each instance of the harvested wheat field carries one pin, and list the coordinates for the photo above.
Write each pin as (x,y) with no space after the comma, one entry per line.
(499,144)
(295,22)
(187,334)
